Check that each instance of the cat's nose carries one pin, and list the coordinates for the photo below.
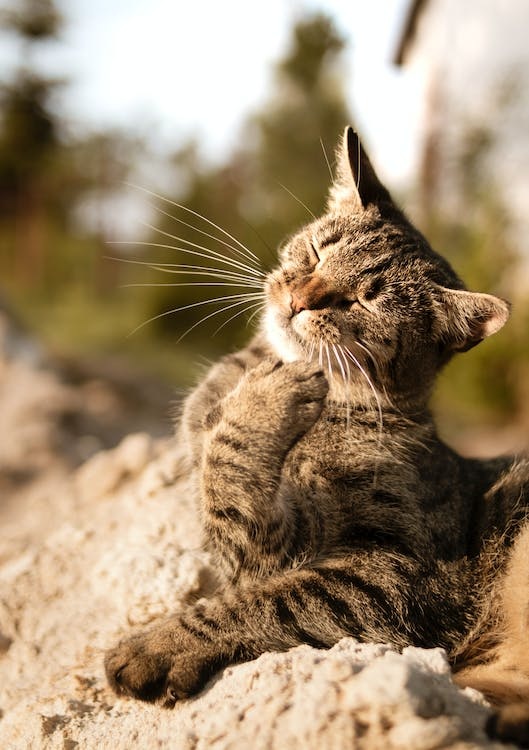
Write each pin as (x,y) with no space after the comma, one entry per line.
(297,303)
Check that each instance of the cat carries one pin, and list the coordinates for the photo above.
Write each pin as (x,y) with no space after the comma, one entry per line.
(326,497)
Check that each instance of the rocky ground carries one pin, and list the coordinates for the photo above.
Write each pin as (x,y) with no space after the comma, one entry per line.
(95,542)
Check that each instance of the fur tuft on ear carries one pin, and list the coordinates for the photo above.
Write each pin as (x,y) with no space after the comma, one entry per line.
(357,185)
(469,317)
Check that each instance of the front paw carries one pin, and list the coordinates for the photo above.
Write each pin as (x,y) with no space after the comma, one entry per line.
(161,663)
(138,666)
(291,395)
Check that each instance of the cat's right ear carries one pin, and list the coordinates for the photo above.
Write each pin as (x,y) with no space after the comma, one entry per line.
(469,317)
(356,185)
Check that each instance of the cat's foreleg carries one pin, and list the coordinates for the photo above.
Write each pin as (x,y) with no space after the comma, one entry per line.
(372,596)
(249,521)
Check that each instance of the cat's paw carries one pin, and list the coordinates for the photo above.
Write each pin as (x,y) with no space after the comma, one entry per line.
(161,663)
(291,393)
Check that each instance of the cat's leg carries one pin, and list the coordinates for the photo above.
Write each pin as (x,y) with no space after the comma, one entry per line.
(373,596)
(251,521)
(222,378)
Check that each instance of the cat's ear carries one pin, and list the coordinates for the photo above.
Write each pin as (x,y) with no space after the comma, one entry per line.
(356,185)
(469,317)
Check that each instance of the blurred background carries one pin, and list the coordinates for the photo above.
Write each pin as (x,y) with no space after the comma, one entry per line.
(233,110)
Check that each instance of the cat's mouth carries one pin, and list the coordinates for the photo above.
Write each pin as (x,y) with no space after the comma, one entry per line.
(313,335)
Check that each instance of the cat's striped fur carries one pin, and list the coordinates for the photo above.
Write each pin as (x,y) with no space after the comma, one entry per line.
(326,496)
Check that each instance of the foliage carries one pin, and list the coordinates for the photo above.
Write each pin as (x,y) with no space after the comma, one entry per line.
(482,386)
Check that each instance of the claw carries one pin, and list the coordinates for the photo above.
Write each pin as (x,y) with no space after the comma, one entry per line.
(171,696)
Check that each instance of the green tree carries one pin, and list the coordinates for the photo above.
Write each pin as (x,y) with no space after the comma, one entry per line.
(480,387)
(29,141)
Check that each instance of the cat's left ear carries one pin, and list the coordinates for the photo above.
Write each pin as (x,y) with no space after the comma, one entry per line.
(357,185)
(469,317)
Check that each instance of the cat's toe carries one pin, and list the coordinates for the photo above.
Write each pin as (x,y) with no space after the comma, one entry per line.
(135,669)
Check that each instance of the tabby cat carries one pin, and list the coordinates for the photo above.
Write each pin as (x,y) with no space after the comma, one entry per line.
(325,494)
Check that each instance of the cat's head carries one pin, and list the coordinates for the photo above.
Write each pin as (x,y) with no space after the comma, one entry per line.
(362,290)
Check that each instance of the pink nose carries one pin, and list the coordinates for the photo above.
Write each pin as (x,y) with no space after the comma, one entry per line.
(297,303)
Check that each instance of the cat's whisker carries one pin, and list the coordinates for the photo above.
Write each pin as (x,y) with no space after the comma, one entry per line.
(194,283)
(216,273)
(340,365)
(346,364)
(368,380)
(255,312)
(239,279)
(327,159)
(211,255)
(377,399)
(195,213)
(212,314)
(269,250)
(248,295)
(377,367)
(320,355)
(186,268)
(297,199)
(331,374)
(249,269)
(259,305)
(248,256)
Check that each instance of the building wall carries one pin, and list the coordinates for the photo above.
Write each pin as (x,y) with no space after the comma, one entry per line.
(472,59)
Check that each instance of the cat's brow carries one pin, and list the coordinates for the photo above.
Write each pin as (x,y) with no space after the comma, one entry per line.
(378,268)
(331,239)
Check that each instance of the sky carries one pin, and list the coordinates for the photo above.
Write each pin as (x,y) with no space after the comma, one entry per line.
(172,69)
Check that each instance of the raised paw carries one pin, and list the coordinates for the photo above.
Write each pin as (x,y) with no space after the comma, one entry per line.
(160,663)
(291,394)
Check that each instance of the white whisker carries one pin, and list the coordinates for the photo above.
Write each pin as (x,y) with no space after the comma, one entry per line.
(194,283)
(202,270)
(297,199)
(195,213)
(236,315)
(377,399)
(377,368)
(249,295)
(182,268)
(340,365)
(256,312)
(211,315)
(210,255)
(249,256)
(327,160)
(250,269)
(338,353)
(331,374)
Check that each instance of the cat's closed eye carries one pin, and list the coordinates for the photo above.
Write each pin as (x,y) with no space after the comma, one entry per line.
(313,252)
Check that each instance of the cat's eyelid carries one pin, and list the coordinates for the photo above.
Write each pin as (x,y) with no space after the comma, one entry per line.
(315,249)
